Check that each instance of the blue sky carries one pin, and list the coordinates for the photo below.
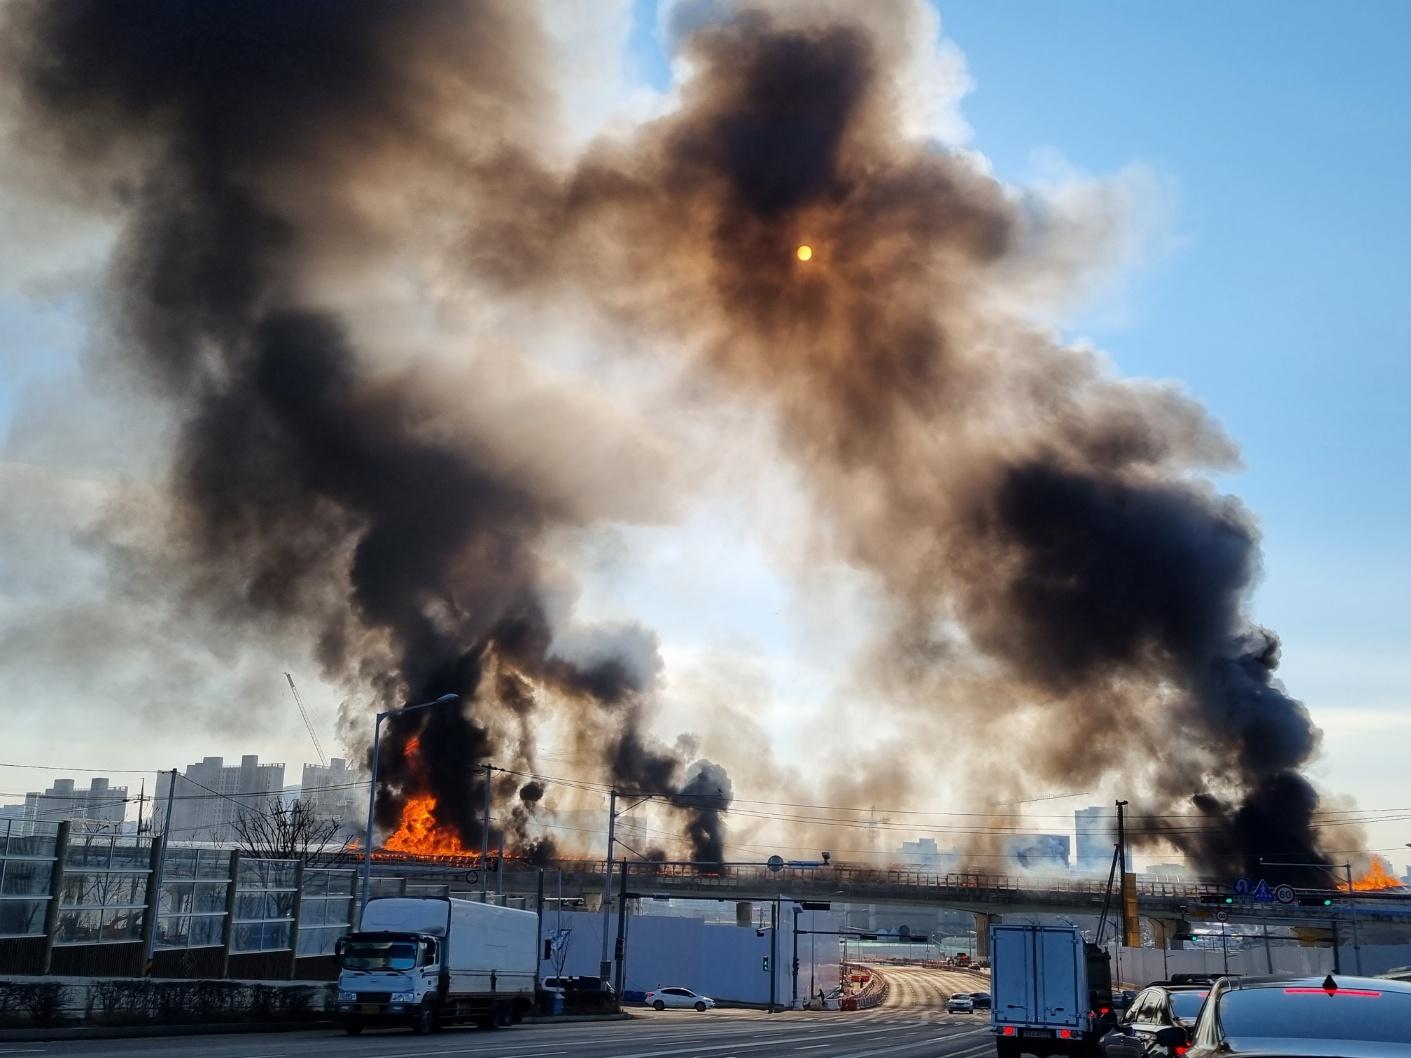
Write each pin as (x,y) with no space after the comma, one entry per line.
(1285,132)
(1279,136)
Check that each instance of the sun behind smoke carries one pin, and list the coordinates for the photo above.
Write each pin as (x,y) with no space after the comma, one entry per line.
(804,252)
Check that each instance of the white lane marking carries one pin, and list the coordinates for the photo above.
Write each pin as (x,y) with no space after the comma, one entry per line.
(531,1054)
(812,1046)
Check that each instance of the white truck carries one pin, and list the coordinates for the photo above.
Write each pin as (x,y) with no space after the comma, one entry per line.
(428,962)
(1052,991)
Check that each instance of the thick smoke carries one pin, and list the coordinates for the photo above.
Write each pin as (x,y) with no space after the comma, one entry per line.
(1043,530)
(243,143)
(1019,503)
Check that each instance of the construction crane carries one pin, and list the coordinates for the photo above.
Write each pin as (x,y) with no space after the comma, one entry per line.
(318,747)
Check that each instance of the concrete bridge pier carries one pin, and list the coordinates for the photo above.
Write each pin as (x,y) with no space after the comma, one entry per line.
(982,932)
(1165,930)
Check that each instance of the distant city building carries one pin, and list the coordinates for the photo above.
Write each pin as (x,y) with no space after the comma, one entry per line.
(100,807)
(920,853)
(1038,851)
(335,791)
(1096,830)
(925,854)
(210,797)
(1167,872)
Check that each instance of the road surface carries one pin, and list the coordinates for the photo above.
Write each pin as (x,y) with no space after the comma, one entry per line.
(921,988)
(885,1032)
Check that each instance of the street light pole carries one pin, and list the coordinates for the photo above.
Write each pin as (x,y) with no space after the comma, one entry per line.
(372,790)
(605,963)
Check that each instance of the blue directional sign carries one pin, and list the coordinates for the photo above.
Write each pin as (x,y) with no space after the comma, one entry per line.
(1263,893)
(1241,886)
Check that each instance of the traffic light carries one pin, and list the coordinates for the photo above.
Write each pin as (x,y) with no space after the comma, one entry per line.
(1315,901)
(1217,898)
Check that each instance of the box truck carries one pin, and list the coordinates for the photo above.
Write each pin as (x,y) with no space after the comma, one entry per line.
(428,962)
(1052,991)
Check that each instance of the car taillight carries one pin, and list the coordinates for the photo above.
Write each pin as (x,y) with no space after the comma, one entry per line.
(1104,1010)
(1180,1050)
(1010,1030)
(1065,1034)
(1366,993)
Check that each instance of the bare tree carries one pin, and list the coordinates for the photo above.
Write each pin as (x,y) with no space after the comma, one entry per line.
(292,831)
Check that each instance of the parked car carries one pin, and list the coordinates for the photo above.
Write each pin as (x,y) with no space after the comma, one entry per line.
(982,1000)
(1349,1017)
(960,1003)
(1158,1006)
(678,998)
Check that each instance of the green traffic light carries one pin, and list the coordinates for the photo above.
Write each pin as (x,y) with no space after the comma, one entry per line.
(1327,902)
(1229,899)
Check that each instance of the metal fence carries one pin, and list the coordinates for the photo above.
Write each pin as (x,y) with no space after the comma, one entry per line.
(81,904)
(26,876)
(103,896)
(326,909)
(195,892)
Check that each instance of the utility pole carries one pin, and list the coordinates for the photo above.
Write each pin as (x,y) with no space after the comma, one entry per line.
(774,955)
(794,998)
(1356,935)
(141,800)
(620,948)
(1122,863)
(485,841)
(500,872)
(605,964)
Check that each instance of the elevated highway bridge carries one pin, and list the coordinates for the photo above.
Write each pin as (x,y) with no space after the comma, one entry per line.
(1173,906)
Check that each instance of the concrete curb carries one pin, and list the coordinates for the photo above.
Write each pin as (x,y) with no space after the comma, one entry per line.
(126,1032)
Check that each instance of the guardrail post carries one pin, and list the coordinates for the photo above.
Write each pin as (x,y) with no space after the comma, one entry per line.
(56,889)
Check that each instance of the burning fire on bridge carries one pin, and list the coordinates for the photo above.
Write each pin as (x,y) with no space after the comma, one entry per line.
(1376,878)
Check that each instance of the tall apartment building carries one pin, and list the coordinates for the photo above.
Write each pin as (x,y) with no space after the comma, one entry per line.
(101,807)
(1047,852)
(211,796)
(1096,830)
(337,791)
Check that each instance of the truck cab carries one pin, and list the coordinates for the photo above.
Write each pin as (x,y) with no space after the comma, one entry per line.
(388,978)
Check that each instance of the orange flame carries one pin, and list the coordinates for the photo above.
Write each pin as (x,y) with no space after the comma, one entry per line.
(418,832)
(1377,876)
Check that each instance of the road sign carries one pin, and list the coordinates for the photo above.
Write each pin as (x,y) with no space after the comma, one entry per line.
(1263,893)
(1223,916)
(903,931)
(1284,894)
(775,863)
(1241,886)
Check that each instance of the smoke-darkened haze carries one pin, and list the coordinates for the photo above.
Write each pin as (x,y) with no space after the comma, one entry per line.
(1059,580)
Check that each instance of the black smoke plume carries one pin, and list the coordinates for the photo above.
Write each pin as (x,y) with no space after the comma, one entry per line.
(241,144)
(1018,502)
(1045,532)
